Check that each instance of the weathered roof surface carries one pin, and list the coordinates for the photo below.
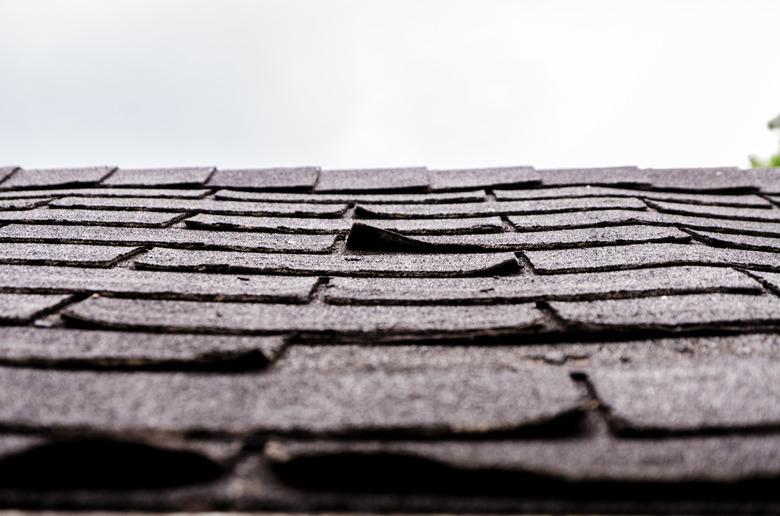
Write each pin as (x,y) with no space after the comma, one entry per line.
(475,340)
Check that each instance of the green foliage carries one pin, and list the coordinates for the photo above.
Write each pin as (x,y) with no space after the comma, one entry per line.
(774,160)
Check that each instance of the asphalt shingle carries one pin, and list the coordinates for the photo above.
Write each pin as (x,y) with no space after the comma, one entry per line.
(158,285)
(189,193)
(647,255)
(701,395)
(169,237)
(22,308)
(373,180)
(351,198)
(203,206)
(105,349)
(485,400)
(485,209)
(61,177)
(300,178)
(725,212)
(758,243)
(716,179)
(605,176)
(671,312)
(91,217)
(331,265)
(54,254)
(617,284)
(463,179)
(185,177)
(330,321)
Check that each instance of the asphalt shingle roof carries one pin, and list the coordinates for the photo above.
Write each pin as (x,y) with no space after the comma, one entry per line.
(481,340)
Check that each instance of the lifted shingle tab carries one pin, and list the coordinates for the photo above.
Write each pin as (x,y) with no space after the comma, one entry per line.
(647,255)
(52,177)
(463,179)
(482,401)
(169,237)
(204,206)
(331,321)
(106,349)
(617,284)
(333,265)
(185,177)
(497,208)
(157,284)
(293,178)
(697,395)
(373,179)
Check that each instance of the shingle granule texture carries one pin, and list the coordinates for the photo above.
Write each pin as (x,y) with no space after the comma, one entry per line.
(294,340)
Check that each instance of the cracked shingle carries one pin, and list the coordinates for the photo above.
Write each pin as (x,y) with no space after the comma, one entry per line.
(22,308)
(671,312)
(203,206)
(157,284)
(698,396)
(725,212)
(292,178)
(184,177)
(56,254)
(640,282)
(749,201)
(464,179)
(91,217)
(319,319)
(485,209)
(106,349)
(367,237)
(351,198)
(336,265)
(47,178)
(168,237)
(374,179)
(448,402)
(647,255)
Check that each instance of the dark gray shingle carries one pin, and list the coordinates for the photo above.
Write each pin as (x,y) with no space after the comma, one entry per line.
(55,254)
(294,178)
(22,308)
(59,177)
(91,217)
(387,198)
(463,179)
(184,177)
(373,180)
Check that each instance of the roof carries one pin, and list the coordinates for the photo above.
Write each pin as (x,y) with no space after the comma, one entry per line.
(503,339)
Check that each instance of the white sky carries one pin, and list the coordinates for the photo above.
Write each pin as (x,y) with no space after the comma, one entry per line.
(369,83)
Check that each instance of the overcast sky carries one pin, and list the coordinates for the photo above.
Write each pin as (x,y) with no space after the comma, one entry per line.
(358,83)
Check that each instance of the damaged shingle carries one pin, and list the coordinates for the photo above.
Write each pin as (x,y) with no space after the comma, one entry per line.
(671,312)
(373,180)
(168,237)
(351,198)
(335,265)
(62,177)
(647,255)
(738,241)
(160,177)
(448,402)
(106,349)
(22,308)
(463,179)
(697,396)
(526,207)
(367,237)
(71,254)
(159,285)
(300,178)
(203,206)
(640,282)
(190,193)
(375,321)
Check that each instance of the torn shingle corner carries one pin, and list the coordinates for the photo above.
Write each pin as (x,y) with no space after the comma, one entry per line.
(484,340)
